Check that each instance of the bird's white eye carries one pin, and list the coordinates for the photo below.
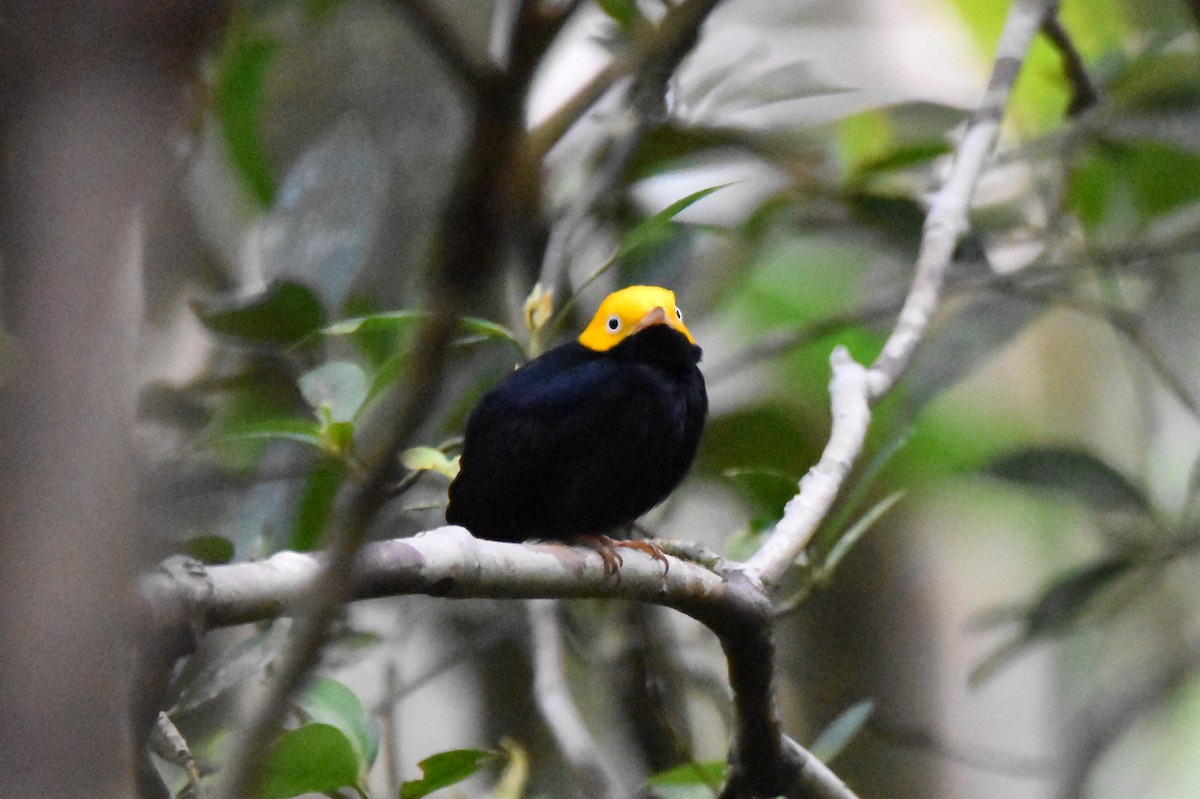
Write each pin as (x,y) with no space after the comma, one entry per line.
(614,323)
(678,313)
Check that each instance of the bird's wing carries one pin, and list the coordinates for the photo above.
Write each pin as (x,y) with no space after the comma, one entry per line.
(543,410)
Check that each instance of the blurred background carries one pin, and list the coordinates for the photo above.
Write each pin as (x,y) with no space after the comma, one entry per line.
(223,225)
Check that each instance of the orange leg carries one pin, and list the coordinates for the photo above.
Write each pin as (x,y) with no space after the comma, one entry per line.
(607,548)
(650,548)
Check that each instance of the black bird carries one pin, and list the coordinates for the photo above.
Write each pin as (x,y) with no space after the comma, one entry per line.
(582,440)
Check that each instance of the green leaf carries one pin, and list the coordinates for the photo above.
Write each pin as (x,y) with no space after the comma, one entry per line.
(339,438)
(445,769)
(316,758)
(667,144)
(847,540)
(623,12)
(1161,178)
(747,445)
(389,320)
(328,701)
(210,549)
(902,157)
(1162,81)
(302,431)
(336,390)
(489,330)
(657,228)
(711,772)
(1075,473)
(385,338)
(1089,190)
(238,95)
(315,506)
(394,320)
(1058,609)
(1070,595)
(282,315)
(837,736)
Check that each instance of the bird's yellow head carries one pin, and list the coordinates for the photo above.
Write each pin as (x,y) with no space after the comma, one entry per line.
(629,310)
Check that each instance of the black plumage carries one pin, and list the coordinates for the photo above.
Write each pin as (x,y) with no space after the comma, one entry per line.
(579,442)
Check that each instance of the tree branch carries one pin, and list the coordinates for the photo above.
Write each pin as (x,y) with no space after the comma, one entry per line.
(852,388)
(1083,92)
(666,44)
(819,487)
(946,221)
(449,562)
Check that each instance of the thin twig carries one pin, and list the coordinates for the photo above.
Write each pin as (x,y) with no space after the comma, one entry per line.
(472,228)
(820,486)
(675,34)
(1083,91)
(389,723)
(852,389)
(168,743)
(946,221)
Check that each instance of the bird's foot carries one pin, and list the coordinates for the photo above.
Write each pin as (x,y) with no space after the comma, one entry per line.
(607,548)
(650,548)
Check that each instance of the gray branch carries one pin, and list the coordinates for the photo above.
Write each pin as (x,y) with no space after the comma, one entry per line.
(448,562)
(853,389)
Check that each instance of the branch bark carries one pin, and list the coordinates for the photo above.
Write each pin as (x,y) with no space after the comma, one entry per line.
(449,562)
(852,390)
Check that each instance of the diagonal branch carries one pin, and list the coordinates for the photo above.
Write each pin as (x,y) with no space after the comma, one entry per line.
(473,229)
(1083,93)
(851,390)
(819,487)
(657,50)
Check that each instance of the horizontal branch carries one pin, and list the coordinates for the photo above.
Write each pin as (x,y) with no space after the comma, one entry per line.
(186,599)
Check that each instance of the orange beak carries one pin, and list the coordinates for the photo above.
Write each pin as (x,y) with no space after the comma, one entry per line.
(656,317)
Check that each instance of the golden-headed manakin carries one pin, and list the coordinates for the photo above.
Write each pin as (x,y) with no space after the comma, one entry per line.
(587,437)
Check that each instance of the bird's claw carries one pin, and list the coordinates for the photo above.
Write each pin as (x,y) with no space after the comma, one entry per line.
(607,548)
